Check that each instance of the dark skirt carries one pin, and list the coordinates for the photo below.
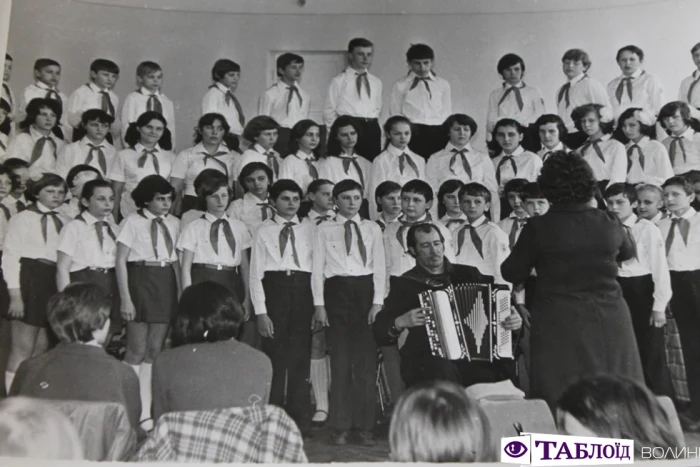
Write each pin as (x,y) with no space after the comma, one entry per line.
(107,281)
(153,292)
(37,283)
(229,279)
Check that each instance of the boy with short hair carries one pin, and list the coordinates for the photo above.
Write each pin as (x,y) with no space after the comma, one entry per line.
(97,94)
(645,283)
(635,87)
(579,89)
(680,231)
(480,243)
(513,161)
(514,99)
(149,76)
(683,142)
(47,75)
(285,101)
(425,99)
(357,93)
(220,98)
(650,203)
(280,290)
(320,193)
(19,174)
(690,91)
(93,149)
(349,288)
(388,198)
(416,202)
(514,223)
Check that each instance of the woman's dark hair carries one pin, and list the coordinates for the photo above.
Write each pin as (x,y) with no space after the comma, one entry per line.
(89,190)
(257,125)
(298,132)
(207,312)
(552,118)
(334,148)
(209,181)
(131,137)
(209,119)
(567,179)
(34,109)
(461,119)
(615,407)
(149,187)
(254,167)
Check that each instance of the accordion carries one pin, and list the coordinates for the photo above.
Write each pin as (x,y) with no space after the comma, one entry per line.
(463,321)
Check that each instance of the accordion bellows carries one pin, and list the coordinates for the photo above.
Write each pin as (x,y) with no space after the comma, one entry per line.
(464,322)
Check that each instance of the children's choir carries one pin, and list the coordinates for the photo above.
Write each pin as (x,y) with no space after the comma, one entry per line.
(310,241)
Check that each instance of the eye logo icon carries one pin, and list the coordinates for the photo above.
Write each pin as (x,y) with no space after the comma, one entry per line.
(515,449)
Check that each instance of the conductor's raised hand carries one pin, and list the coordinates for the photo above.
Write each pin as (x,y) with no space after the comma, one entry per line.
(320,319)
(265,327)
(513,322)
(412,318)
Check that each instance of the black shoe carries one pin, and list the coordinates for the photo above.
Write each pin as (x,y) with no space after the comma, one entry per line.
(317,424)
(367,439)
(340,438)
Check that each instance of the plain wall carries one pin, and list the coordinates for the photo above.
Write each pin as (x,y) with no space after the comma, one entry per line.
(467,46)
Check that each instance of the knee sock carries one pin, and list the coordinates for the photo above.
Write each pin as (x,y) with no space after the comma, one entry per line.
(146,395)
(9,377)
(328,370)
(319,382)
(136,368)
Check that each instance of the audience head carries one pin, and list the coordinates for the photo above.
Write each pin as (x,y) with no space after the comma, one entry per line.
(508,133)
(212,186)
(636,123)
(34,429)
(149,129)
(255,178)
(19,170)
(437,422)
(621,199)
(512,68)
(388,198)
(575,62)
(460,129)
(567,179)
(155,194)
(7,72)
(5,182)
(320,192)
(398,131)
(96,123)
(675,117)
(78,175)
(80,314)
(551,130)
(44,115)
(608,406)
(536,203)
(97,197)
(513,192)
(5,120)
(416,199)
(207,312)
(679,193)
(650,200)
(212,128)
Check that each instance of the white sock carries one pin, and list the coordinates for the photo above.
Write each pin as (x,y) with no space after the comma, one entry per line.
(146,395)
(328,370)
(319,383)
(136,368)
(9,377)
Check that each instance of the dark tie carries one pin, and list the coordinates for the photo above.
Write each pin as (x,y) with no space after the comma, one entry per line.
(156,224)
(266,211)
(58,225)
(630,152)
(38,149)
(465,163)
(476,240)
(628,232)
(286,236)
(564,94)
(228,234)
(2,145)
(406,159)
(213,157)
(596,148)
(99,226)
(9,94)
(144,156)
(546,155)
(405,225)
(513,235)
(293,90)
(458,221)
(273,163)
(381,224)
(425,80)
(690,89)
(101,159)
(313,172)
(323,218)
(362,78)
(53,94)
(346,166)
(626,81)
(20,206)
(673,149)
(231,98)
(153,104)
(518,96)
(107,105)
(503,162)
(684,227)
(360,242)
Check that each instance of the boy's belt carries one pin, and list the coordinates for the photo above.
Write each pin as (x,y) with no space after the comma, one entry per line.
(216,267)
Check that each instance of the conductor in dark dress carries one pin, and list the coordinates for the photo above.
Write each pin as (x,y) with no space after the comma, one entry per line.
(402,311)
(580,323)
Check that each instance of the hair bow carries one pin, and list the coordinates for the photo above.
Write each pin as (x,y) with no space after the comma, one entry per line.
(605,114)
(644,117)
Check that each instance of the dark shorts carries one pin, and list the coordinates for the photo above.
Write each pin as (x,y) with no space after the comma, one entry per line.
(37,283)
(107,281)
(153,292)
(229,279)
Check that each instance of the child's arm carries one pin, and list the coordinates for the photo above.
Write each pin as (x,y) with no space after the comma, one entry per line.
(10,264)
(244,269)
(329,108)
(396,99)
(320,318)
(127,306)
(129,113)
(118,188)
(379,273)
(62,158)
(265,104)
(618,168)
(63,263)
(660,274)
(186,268)
(491,114)
(656,95)
(257,292)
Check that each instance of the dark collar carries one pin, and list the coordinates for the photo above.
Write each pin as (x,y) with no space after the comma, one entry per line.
(420,274)
(571,207)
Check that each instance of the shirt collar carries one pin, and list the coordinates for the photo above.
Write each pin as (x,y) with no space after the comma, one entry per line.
(352,72)
(520,85)
(150,216)
(348,156)
(260,149)
(281,221)
(512,215)
(284,85)
(139,148)
(89,218)
(642,142)
(212,218)
(517,152)
(34,133)
(313,215)
(631,220)
(86,142)
(688,134)
(394,151)
(688,214)
(558,147)
(451,146)
(44,86)
(251,198)
(634,75)
(147,93)
(412,75)
(95,88)
(221,87)
(578,78)
(602,139)
(304,157)
(342,219)
(447,217)
(479,222)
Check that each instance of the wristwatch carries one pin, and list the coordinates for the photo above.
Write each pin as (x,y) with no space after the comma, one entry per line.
(394,331)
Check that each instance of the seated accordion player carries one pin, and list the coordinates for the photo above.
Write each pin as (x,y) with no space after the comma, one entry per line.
(464,321)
